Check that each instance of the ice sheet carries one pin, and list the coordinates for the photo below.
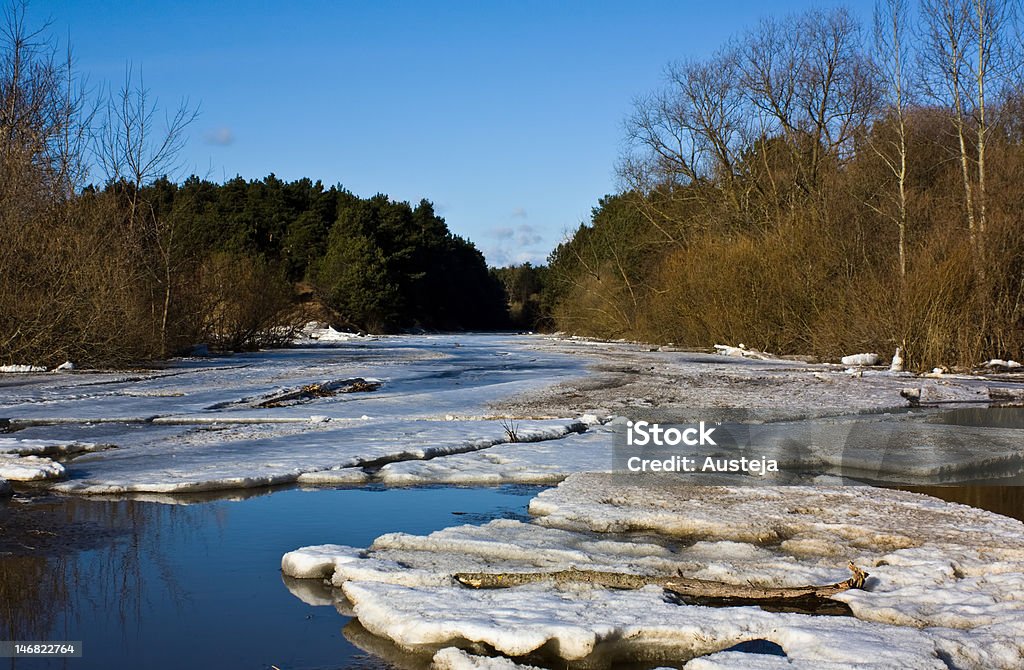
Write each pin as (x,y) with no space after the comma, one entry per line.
(519,463)
(201,424)
(257,455)
(947,580)
(573,622)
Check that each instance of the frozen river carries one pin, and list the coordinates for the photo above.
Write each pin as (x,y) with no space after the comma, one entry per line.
(307,415)
(154,507)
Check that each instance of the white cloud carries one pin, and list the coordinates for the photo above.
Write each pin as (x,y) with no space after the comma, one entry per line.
(515,244)
(221,137)
(527,235)
(501,232)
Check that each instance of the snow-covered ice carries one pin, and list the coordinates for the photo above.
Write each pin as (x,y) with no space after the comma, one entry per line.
(574,622)
(29,468)
(315,331)
(897,362)
(453,658)
(31,447)
(742,351)
(250,455)
(860,359)
(946,580)
(203,424)
(510,463)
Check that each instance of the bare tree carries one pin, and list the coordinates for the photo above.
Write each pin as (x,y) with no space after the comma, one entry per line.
(135,148)
(990,26)
(44,120)
(808,80)
(966,57)
(686,141)
(944,57)
(891,48)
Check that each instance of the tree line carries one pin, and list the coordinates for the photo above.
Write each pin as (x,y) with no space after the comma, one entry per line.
(140,267)
(819,186)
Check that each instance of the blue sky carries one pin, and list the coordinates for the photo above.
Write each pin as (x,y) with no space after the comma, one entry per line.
(507,115)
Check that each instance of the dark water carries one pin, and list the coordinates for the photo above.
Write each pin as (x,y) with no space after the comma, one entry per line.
(1005,500)
(151,585)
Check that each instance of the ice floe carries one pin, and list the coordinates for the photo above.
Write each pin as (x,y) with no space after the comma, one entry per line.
(29,468)
(249,455)
(945,589)
(576,623)
(516,462)
(32,447)
(860,359)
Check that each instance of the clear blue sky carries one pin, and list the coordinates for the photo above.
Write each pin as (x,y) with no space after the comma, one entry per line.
(507,115)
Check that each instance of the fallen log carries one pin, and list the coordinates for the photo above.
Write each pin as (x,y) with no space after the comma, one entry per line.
(685,587)
(321,390)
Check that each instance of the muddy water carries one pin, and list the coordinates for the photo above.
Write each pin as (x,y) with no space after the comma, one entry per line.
(1005,500)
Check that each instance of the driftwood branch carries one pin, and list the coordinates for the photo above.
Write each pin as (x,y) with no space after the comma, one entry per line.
(321,390)
(682,586)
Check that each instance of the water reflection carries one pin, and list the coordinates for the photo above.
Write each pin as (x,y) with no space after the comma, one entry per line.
(65,560)
(144,584)
(1005,500)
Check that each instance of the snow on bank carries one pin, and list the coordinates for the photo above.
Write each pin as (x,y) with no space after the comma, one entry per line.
(947,581)
(316,332)
(29,468)
(21,368)
(999,363)
(743,352)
